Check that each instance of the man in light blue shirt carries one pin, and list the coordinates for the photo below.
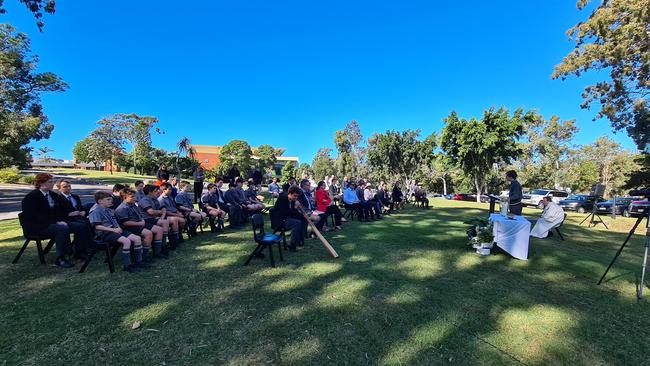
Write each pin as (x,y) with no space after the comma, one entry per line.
(352,202)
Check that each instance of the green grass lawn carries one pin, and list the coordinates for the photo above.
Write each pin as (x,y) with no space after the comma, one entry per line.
(104,177)
(406,290)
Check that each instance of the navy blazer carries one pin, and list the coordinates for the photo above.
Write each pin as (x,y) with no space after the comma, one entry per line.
(37,213)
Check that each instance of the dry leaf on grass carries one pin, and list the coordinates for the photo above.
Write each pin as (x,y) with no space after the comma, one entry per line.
(136,325)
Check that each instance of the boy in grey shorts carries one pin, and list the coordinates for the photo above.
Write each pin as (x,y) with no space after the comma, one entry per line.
(107,229)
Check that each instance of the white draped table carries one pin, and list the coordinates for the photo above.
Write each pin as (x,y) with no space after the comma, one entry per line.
(512,235)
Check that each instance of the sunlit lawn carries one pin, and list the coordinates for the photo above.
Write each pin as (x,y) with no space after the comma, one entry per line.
(406,290)
(103,177)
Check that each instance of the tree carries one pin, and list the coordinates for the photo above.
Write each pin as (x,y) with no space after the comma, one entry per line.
(400,155)
(184,146)
(44,153)
(614,165)
(345,161)
(104,144)
(323,164)
(304,170)
(288,171)
(615,38)
(476,146)
(266,158)
(37,7)
(547,149)
(641,177)
(133,129)
(21,113)
(80,151)
(236,154)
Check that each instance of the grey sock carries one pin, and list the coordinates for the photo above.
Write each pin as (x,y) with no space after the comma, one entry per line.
(126,257)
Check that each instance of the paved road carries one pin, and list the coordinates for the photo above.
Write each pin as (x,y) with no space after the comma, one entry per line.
(12,194)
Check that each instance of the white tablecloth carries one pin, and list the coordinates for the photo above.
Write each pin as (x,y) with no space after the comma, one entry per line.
(512,235)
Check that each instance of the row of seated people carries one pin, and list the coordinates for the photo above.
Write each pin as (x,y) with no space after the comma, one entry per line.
(151,224)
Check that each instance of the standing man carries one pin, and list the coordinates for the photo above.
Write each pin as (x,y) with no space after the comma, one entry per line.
(199,178)
(515,194)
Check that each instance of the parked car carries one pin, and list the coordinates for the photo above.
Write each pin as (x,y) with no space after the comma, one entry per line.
(580,203)
(449,196)
(461,197)
(534,198)
(622,206)
(640,207)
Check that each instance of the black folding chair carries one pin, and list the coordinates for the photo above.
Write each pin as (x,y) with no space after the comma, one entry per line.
(36,238)
(101,246)
(263,240)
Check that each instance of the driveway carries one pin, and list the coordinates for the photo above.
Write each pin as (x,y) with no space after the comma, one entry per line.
(11,196)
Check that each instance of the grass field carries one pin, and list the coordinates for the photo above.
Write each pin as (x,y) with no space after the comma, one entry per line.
(103,177)
(406,290)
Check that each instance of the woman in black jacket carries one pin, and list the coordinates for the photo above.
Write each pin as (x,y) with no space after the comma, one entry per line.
(398,197)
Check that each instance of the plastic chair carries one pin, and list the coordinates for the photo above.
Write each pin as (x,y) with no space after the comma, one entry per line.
(263,240)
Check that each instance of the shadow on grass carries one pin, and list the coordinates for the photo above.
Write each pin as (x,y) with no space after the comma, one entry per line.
(399,294)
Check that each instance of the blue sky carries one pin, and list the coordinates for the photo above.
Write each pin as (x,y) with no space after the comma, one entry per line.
(291,73)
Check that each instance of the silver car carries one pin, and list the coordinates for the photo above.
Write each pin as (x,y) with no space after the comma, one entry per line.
(534,198)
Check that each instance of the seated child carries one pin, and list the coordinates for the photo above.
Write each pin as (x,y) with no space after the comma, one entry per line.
(185,205)
(107,229)
(150,209)
(175,217)
(131,218)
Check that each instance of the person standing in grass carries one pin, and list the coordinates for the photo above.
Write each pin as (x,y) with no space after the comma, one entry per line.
(108,230)
(515,194)
(199,178)
(130,218)
(162,174)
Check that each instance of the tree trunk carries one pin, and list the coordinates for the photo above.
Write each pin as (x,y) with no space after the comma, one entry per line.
(444,185)
(478,189)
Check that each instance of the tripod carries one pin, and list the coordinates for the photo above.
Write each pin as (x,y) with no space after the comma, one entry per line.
(645,252)
(591,217)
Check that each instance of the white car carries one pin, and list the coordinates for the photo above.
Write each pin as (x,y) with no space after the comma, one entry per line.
(534,198)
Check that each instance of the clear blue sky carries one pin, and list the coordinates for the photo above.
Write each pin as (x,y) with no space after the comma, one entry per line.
(291,73)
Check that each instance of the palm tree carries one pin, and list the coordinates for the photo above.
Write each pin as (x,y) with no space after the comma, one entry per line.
(184,146)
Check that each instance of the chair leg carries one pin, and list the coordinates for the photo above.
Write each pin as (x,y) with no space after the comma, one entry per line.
(49,246)
(280,251)
(87,261)
(271,255)
(109,258)
(20,252)
(252,254)
(557,230)
(284,240)
(41,253)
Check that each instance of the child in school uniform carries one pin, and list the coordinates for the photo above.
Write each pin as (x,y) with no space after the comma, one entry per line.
(108,229)
(176,219)
(131,218)
(185,205)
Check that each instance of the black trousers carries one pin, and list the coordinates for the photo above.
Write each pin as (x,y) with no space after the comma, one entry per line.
(334,210)
(198,191)
(515,209)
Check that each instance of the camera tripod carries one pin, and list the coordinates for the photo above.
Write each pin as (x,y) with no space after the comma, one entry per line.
(591,217)
(646,245)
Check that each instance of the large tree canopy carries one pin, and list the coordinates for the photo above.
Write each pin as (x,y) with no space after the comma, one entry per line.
(398,156)
(615,38)
(476,146)
(21,113)
(236,154)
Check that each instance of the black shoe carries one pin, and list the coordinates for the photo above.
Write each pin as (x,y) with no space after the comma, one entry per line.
(130,268)
(180,239)
(259,255)
(161,256)
(63,263)
(142,265)
(292,248)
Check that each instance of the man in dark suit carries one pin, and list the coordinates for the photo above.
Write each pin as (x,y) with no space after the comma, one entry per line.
(76,217)
(286,213)
(43,214)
